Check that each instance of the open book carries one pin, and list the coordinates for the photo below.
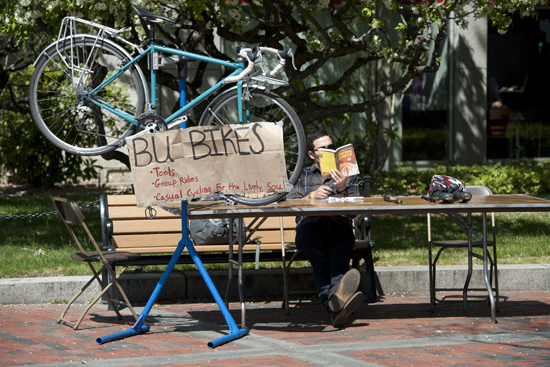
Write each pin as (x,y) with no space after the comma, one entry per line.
(342,159)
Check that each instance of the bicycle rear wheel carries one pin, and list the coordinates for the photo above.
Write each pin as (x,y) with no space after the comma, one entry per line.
(263,106)
(61,103)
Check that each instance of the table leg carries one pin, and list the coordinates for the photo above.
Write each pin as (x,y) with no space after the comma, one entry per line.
(485,271)
(240,280)
(431,275)
(371,277)
(230,263)
(470,266)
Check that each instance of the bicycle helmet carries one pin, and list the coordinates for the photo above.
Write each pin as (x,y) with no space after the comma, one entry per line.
(446,189)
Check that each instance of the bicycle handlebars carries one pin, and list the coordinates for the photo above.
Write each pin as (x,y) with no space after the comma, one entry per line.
(252,53)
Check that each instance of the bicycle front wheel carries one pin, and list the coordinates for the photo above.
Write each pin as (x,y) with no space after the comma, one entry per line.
(262,106)
(62,104)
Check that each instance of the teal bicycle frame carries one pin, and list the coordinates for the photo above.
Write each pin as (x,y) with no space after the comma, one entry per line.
(151,52)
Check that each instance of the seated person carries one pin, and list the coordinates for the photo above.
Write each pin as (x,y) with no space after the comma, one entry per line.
(327,241)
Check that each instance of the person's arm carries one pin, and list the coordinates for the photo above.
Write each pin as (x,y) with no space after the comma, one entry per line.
(345,186)
(299,190)
(322,192)
(340,182)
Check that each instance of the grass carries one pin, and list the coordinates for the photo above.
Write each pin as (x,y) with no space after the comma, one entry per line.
(22,239)
(400,240)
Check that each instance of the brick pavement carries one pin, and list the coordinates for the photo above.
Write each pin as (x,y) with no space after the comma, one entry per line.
(397,331)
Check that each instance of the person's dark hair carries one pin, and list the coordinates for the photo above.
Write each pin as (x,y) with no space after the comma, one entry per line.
(312,136)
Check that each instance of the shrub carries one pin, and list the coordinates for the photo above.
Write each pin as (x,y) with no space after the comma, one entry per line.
(26,156)
(525,177)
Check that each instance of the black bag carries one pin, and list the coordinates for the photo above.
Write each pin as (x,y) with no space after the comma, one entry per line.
(211,231)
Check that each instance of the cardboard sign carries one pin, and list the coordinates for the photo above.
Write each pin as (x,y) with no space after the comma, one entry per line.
(185,164)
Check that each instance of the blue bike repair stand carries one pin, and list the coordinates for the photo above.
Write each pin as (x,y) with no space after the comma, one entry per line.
(140,327)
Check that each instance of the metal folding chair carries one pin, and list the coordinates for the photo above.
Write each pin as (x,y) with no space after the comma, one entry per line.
(71,215)
(476,190)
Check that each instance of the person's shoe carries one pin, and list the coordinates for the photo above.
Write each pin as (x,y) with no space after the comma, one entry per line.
(462,196)
(340,294)
(340,318)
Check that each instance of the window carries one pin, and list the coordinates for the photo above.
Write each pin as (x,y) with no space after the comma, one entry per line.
(518,80)
(425,120)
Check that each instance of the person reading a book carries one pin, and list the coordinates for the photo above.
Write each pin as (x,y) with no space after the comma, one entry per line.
(327,241)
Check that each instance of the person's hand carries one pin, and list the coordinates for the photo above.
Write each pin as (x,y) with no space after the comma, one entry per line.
(339,179)
(322,192)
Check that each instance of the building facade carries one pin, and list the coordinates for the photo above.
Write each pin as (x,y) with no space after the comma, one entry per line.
(486,104)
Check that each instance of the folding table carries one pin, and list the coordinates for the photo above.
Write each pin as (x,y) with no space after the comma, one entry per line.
(310,207)
(374,206)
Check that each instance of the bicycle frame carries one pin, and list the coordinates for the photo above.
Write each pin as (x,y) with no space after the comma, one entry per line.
(152,51)
(68,31)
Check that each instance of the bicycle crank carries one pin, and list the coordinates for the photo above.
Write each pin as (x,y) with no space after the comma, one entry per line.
(148,122)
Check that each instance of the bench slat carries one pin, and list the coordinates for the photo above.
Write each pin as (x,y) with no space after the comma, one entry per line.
(274,223)
(124,206)
(135,212)
(153,241)
(113,200)
(200,249)
(273,236)
(147,226)
(174,225)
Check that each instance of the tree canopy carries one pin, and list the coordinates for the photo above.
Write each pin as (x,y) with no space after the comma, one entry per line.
(339,45)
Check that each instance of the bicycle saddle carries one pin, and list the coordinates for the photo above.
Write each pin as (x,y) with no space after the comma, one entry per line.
(148,16)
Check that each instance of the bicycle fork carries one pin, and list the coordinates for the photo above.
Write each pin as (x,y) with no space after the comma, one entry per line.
(240,102)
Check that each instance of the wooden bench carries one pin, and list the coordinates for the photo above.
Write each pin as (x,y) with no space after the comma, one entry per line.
(126,228)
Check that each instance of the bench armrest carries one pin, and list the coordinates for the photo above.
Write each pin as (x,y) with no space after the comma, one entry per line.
(105,223)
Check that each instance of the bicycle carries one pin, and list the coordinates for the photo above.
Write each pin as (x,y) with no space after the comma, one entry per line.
(88,93)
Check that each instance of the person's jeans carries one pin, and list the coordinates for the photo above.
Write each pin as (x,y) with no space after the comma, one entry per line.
(327,245)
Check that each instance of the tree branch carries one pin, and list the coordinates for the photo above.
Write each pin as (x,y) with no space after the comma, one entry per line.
(336,16)
(359,62)
(318,26)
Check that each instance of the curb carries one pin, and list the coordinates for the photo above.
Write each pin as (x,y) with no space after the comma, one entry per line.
(266,283)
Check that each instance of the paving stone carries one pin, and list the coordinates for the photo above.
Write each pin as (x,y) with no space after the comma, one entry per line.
(398,330)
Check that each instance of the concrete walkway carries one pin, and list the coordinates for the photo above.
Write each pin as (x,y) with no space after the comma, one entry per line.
(269,283)
(398,330)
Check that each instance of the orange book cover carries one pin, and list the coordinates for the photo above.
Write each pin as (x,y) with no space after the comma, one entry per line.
(342,158)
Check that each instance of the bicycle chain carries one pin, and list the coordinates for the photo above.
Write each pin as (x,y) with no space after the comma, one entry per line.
(394,190)
(84,206)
